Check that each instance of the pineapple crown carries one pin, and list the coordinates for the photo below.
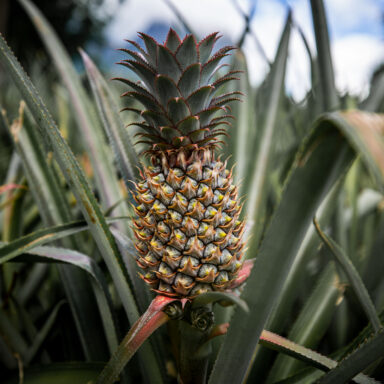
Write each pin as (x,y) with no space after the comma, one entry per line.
(179,89)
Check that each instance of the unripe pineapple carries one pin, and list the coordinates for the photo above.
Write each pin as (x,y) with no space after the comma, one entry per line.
(189,236)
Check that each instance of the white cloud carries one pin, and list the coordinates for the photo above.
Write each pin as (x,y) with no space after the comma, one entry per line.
(347,15)
(355,58)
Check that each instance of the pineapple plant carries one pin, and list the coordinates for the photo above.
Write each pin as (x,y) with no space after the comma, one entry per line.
(188,226)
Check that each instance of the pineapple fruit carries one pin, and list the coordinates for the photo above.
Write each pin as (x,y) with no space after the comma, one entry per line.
(188,231)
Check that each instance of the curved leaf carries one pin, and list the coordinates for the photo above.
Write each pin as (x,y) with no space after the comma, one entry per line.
(152,319)
(367,138)
(353,277)
(100,286)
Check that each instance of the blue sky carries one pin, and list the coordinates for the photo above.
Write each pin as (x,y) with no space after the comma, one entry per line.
(356,29)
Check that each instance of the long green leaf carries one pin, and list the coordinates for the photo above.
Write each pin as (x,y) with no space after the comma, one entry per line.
(46,253)
(367,138)
(313,321)
(42,181)
(325,156)
(363,357)
(282,344)
(23,244)
(329,98)
(368,203)
(9,251)
(257,186)
(152,319)
(353,278)
(142,294)
(278,320)
(54,254)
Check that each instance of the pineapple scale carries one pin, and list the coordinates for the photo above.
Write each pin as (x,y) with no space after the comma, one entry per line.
(189,236)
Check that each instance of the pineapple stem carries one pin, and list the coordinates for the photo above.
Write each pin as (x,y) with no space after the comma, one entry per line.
(194,348)
(193,366)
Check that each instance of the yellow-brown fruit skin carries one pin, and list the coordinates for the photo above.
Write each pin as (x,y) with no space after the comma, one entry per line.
(189,236)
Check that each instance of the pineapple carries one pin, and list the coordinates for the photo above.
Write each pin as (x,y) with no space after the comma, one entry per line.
(188,231)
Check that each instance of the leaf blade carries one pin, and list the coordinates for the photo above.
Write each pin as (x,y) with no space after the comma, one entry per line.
(313,320)
(257,186)
(152,319)
(315,359)
(353,277)
(360,359)
(327,84)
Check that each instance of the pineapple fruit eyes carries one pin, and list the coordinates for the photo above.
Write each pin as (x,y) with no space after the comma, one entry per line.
(188,231)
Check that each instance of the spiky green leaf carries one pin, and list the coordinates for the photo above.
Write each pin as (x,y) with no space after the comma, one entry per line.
(173,40)
(167,64)
(190,79)
(151,46)
(166,89)
(187,53)
(206,45)
(178,109)
(199,99)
